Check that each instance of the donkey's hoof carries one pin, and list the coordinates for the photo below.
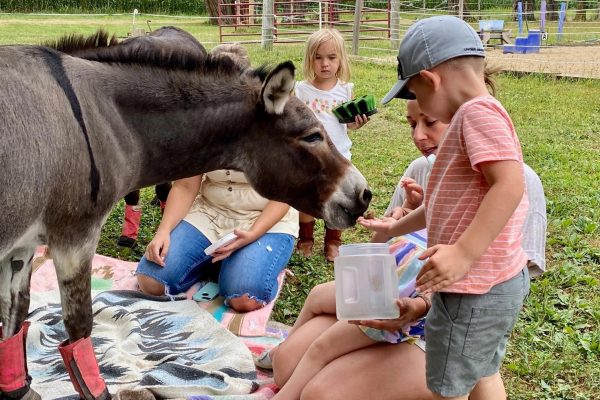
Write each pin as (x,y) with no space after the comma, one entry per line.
(134,394)
(18,395)
(32,395)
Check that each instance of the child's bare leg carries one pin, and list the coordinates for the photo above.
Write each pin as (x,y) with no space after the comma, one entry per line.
(320,300)
(489,387)
(287,355)
(341,338)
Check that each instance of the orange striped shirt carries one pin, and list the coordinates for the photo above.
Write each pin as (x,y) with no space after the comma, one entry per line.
(480,131)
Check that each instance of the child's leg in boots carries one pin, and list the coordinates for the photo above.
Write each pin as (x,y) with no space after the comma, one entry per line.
(131,221)
(333,240)
(306,238)
(162,192)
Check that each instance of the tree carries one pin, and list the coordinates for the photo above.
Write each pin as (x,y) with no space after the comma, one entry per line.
(212,7)
(528,8)
(552,9)
(580,11)
(454,8)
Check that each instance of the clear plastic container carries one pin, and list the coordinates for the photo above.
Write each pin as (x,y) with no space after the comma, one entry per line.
(366,284)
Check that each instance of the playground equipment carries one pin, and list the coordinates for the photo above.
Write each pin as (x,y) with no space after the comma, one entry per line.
(532,42)
(525,44)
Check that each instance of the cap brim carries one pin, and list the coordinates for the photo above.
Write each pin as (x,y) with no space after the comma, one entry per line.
(398,91)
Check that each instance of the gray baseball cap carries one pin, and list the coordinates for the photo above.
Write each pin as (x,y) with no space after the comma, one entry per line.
(428,43)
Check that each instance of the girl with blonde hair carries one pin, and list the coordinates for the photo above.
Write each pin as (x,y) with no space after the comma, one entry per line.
(326,85)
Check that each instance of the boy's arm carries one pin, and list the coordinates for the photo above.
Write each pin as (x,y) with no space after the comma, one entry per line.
(449,263)
(391,227)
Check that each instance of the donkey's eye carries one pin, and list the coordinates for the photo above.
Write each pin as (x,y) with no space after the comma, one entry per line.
(313,137)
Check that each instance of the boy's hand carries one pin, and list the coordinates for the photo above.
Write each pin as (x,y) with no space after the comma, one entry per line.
(446,265)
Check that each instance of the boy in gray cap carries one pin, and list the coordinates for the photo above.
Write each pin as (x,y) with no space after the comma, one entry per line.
(474,211)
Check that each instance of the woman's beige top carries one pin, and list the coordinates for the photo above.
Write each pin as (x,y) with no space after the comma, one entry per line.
(227,201)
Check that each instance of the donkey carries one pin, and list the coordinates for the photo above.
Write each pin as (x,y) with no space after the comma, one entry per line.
(78,134)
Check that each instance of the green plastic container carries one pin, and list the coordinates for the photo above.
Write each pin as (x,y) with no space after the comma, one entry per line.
(346,112)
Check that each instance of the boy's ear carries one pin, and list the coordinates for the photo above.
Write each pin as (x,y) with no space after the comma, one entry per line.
(431,79)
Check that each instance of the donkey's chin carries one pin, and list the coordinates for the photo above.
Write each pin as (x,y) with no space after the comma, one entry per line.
(339,217)
(348,202)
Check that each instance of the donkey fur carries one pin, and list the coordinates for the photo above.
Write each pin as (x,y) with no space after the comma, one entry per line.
(79,132)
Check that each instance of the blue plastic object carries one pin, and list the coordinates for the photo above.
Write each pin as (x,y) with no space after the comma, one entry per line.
(491,25)
(527,44)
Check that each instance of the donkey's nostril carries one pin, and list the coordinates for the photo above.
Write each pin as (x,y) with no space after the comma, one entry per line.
(367,196)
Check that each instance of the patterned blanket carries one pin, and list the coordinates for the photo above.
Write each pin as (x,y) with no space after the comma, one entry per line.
(172,348)
(195,358)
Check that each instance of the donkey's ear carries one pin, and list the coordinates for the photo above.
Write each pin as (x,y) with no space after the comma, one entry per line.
(277,88)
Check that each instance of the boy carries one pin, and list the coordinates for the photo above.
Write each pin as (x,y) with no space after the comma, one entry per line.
(474,210)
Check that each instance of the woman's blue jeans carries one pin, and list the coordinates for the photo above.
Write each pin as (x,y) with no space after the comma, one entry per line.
(251,270)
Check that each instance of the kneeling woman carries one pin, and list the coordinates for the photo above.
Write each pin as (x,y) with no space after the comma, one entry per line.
(202,209)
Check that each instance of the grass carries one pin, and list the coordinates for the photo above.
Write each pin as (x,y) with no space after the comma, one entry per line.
(554,352)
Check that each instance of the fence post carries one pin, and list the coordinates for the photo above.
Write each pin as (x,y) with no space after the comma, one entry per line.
(356,27)
(562,16)
(461,8)
(395,23)
(520,16)
(267,24)
(543,16)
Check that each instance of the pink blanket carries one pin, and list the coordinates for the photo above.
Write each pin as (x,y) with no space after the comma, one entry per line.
(113,274)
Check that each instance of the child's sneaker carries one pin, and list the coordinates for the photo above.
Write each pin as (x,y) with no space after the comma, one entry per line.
(264,360)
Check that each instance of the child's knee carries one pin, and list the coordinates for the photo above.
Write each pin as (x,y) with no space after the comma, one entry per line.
(245,303)
(149,285)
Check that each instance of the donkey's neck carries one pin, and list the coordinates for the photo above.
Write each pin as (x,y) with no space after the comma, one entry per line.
(185,124)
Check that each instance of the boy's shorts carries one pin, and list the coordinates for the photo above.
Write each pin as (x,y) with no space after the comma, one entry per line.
(467,334)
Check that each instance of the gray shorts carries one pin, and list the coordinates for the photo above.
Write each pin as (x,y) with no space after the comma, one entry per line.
(466,335)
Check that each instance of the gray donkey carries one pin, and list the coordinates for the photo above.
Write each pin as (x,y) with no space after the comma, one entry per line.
(78,133)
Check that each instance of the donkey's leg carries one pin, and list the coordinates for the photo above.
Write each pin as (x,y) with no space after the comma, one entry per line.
(73,268)
(15,274)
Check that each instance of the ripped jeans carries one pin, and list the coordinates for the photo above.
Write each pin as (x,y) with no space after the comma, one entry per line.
(251,270)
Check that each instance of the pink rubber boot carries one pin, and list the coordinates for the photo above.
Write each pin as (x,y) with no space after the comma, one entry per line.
(14,379)
(80,360)
(131,226)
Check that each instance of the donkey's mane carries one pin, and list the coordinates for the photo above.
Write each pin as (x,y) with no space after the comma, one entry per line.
(74,43)
(146,51)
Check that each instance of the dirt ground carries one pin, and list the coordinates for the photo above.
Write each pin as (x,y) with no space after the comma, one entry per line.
(567,61)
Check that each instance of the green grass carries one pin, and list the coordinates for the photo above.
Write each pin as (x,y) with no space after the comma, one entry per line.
(554,352)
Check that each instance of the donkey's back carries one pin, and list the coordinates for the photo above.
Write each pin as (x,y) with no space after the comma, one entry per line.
(43,150)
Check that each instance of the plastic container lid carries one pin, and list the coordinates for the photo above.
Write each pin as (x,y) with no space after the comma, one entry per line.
(359,249)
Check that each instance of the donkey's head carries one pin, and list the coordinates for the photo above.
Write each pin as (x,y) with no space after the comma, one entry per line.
(311,175)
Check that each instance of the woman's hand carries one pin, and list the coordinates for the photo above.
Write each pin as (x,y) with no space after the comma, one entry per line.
(411,309)
(158,247)
(243,238)
(381,225)
(413,193)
